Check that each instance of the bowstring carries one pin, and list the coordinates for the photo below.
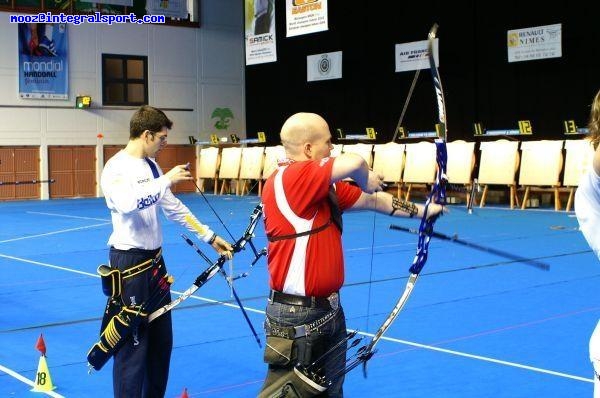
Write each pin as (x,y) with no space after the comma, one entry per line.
(371,266)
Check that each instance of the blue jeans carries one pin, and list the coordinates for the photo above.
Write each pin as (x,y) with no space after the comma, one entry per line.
(308,349)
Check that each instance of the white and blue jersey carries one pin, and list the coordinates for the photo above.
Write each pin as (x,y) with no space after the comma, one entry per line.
(134,195)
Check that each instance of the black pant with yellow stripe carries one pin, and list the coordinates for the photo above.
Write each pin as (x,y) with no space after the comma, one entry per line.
(141,365)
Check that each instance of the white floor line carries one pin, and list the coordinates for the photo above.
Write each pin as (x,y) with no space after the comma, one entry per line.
(25,380)
(55,232)
(390,339)
(49,265)
(390,246)
(231,305)
(482,358)
(67,216)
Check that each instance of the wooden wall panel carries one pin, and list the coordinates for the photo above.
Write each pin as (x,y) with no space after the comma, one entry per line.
(167,157)
(7,173)
(7,160)
(186,154)
(27,160)
(61,158)
(111,150)
(85,183)
(27,191)
(85,171)
(19,164)
(173,155)
(63,185)
(60,169)
(85,158)
(27,168)
(7,192)
(74,170)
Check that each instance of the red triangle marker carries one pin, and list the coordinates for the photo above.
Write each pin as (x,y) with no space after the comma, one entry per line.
(41,345)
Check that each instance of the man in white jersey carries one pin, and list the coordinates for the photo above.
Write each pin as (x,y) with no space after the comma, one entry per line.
(587,208)
(135,189)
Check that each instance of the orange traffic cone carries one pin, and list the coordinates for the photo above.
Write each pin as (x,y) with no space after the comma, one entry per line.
(184,394)
(43,381)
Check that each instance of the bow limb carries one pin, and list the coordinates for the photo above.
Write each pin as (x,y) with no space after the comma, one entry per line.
(229,281)
(199,282)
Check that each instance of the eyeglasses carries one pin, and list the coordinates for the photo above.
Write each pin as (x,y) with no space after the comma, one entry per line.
(162,138)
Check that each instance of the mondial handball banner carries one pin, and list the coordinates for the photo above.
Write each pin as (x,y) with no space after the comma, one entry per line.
(43,67)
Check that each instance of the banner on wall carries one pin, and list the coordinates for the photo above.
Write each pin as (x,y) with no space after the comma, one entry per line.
(168,8)
(305,16)
(260,32)
(415,55)
(325,66)
(539,42)
(43,66)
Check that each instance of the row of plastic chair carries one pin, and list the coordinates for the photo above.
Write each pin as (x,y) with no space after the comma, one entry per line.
(539,165)
(237,165)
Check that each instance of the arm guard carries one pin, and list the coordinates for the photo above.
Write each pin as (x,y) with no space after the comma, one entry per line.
(405,206)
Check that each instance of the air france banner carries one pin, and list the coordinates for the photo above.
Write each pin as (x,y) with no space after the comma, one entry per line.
(43,67)
(534,43)
(325,66)
(415,55)
(260,32)
(305,16)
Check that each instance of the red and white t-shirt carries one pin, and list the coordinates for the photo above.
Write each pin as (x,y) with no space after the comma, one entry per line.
(295,201)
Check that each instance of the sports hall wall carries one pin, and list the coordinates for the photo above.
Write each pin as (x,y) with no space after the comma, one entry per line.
(193,69)
(479,83)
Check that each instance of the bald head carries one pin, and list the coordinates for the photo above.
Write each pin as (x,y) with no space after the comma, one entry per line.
(302,128)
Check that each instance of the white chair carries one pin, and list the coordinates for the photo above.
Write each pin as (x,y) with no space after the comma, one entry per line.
(578,160)
(272,155)
(209,164)
(364,150)
(229,170)
(460,164)
(541,163)
(388,160)
(250,167)
(498,165)
(420,165)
